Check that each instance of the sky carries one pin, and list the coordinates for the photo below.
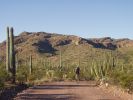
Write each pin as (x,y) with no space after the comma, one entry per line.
(85,18)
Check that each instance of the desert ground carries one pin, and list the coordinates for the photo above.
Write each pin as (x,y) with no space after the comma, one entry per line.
(67,91)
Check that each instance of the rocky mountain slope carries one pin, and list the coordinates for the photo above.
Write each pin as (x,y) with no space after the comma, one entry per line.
(49,44)
(45,42)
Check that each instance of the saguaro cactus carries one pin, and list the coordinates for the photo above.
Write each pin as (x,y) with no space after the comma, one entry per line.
(113,62)
(12,56)
(7,51)
(30,65)
(60,57)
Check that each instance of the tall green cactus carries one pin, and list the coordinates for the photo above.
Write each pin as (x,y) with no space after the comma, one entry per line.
(17,62)
(12,56)
(30,67)
(7,51)
(113,62)
(60,58)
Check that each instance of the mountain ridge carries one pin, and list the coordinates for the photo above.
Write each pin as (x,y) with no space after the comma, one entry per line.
(54,39)
(48,46)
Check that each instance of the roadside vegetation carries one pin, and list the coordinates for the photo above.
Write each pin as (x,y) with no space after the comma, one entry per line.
(112,66)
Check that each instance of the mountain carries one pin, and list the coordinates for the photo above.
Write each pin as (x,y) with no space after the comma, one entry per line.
(41,44)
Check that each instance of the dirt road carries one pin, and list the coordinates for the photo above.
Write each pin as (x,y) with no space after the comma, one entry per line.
(66,91)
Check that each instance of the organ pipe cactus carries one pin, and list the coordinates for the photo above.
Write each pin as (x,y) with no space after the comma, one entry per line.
(7,51)
(12,56)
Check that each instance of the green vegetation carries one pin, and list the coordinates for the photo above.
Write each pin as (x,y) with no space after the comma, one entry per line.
(30,65)
(112,66)
(4,75)
(12,56)
(101,64)
(7,51)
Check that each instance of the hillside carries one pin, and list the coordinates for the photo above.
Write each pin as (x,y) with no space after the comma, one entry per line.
(55,57)
(49,45)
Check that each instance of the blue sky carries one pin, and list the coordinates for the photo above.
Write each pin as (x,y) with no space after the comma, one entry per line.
(85,18)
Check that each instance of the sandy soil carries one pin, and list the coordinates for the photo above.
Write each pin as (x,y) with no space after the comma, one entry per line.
(66,91)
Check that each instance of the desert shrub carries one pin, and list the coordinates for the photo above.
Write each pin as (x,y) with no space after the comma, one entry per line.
(58,72)
(1,84)
(22,74)
(122,78)
(126,81)
(71,75)
(4,76)
(37,74)
(86,74)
